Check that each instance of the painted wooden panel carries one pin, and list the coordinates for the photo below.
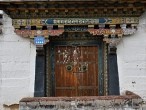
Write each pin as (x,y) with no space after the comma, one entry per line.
(76,71)
(33,33)
(105,31)
(75,21)
(47,33)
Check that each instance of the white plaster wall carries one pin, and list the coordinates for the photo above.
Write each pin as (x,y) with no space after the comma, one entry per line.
(17,65)
(131,53)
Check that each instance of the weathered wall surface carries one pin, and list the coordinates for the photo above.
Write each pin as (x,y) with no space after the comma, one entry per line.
(17,66)
(131,54)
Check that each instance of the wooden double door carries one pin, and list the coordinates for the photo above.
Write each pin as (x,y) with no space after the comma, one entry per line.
(76,70)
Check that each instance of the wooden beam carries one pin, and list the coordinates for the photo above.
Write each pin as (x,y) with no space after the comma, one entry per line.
(75,9)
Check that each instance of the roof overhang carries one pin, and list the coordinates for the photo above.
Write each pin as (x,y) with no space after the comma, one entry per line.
(120,14)
(73,8)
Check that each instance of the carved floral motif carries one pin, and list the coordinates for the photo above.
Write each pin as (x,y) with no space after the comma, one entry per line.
(127,31)
(33,33)
(105,31)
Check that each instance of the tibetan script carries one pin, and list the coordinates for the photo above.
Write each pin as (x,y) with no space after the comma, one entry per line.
(74,21)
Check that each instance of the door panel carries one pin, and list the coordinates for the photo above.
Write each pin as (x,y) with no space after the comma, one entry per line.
(76,71)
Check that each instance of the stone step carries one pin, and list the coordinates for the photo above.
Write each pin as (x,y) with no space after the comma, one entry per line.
(125,102)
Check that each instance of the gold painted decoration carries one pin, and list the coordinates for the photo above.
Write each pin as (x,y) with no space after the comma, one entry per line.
(27,22)
(47,33)
(127,31)
(75,21)
(56,32)
(19,22)
(125,20)
(105,31)
(33,33)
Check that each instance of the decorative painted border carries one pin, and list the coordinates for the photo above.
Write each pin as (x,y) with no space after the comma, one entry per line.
(47,33)
(74,21)
(106,31)
(105,69)
(33,33)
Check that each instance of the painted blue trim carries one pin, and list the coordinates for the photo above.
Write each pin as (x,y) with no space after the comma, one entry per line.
(77,21)
(39,90)
(100,71)
(113,77)
(52,52)
(49,21)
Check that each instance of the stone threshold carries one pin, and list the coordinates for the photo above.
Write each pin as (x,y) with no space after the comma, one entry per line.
(129,101)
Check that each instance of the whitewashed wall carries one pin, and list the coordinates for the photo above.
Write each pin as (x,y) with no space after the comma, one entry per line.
(131,54)
(17,65)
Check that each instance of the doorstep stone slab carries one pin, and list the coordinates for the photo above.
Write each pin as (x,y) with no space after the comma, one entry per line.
(126,102)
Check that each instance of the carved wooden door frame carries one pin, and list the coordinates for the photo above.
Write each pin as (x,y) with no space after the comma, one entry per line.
(93,41)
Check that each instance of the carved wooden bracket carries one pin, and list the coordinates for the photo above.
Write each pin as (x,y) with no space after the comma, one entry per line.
(105,31)
(45,13)
(112,28)
(113,36)
(115,39)
(33,33)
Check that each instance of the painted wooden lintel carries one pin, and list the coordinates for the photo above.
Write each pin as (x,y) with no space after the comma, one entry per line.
(74,21)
